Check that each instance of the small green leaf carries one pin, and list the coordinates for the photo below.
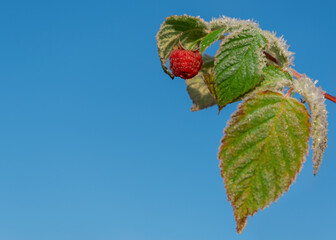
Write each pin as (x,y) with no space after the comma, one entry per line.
(273,74)
(212,37)
(274,78)
(238,64)
(263,150)
(178,28)
(316,101)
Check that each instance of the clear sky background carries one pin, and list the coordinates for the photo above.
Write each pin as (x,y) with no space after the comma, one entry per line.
(97,143)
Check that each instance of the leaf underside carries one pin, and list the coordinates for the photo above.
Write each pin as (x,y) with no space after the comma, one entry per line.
(185,29)
(199,93)
(262,151)
(278,48)
(316,101)
(238,64)
(201,87)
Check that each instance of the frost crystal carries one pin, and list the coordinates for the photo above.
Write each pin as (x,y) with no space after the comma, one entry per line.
(231,23)
(279,48)
(315,98)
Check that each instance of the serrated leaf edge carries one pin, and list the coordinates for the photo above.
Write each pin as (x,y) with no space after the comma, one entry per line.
(232,119)
(261,56)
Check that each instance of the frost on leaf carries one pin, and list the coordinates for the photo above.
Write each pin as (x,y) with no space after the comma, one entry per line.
(316,101)
(278,48)
(274,79)
(185,29)
(201,88)
(263,150)
(238,64)
(199,93)
(231,23)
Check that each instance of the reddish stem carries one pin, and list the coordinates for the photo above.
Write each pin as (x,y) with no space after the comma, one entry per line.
(289,92)
(329,97)
(298,75)
(326,95)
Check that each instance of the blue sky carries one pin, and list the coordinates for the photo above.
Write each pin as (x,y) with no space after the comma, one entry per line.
(96,142)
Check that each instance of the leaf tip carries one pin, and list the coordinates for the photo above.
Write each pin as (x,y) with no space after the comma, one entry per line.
(241,224)
(316,168)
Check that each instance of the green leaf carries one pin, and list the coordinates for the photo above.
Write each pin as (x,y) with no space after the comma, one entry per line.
(273,74)
(274,78)
(238,64)
(316,101)
(212,37)
(178,28)
(262,151)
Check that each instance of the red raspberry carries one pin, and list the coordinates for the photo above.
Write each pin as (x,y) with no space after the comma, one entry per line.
(185,63)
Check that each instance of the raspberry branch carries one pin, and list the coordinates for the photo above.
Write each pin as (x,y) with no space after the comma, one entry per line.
(297,75)
(289,92)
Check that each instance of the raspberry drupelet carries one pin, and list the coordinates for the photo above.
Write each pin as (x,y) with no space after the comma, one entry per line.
(185,63)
